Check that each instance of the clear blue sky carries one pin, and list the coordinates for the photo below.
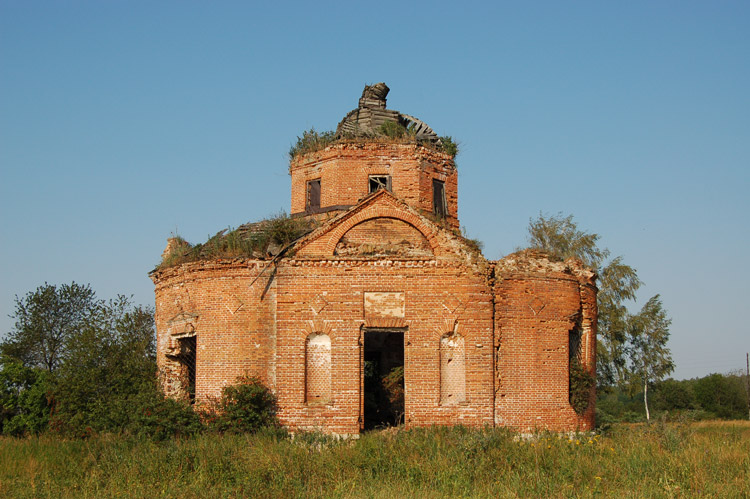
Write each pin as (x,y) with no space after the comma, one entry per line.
(122,122)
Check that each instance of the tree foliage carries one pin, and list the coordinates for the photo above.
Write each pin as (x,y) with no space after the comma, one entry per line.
(108,363)
(650,359)
(581,382)
(561,237)
(46,320)
(618,283)
(673,395)
(84,366)
(244,407)
(81,366)
(721,396)
(24,398)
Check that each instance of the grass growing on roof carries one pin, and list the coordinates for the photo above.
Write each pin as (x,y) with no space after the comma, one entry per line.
(254,240)
(390,131)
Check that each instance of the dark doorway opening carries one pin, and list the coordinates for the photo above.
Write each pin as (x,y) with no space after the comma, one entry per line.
(187,359)
(383,378)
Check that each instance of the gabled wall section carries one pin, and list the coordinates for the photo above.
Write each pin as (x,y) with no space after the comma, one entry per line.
(384,237)
(322,242)
(443,243)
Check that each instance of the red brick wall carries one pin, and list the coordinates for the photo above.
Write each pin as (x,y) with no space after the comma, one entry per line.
(383,236)
(233,322)
(387,230)
(537,304)
(382,205)
(328,296)
(344,170)
(516,366)
(452,369)
(318,369)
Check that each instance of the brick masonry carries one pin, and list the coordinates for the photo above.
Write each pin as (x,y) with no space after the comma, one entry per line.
(344,170)
(485,342)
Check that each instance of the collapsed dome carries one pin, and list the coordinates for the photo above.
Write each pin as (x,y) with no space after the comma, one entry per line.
(374,148)
(368,119)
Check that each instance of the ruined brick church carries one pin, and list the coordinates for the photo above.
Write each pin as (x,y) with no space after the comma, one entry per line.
(382,313)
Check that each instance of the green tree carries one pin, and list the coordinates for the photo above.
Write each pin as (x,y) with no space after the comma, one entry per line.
(673,395)
(24,398)
(46,320)
(723,396)
(90,362)
(107,382)
(650,359)
(561,237)
(106,366)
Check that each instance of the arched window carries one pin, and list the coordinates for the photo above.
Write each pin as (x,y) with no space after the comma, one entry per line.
(452,369)
(318,369)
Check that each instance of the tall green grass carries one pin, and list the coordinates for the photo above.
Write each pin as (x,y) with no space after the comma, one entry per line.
(661,460)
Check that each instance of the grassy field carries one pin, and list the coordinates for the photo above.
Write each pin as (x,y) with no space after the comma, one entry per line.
(710,459)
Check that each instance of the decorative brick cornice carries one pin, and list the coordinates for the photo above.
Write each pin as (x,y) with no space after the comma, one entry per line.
(369,262)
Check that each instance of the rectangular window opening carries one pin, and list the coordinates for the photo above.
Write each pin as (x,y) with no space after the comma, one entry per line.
(380,182)
(438,198)
(313,196)
(188,348)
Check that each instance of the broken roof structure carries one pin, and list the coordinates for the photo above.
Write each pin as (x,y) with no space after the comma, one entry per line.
(371,115)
